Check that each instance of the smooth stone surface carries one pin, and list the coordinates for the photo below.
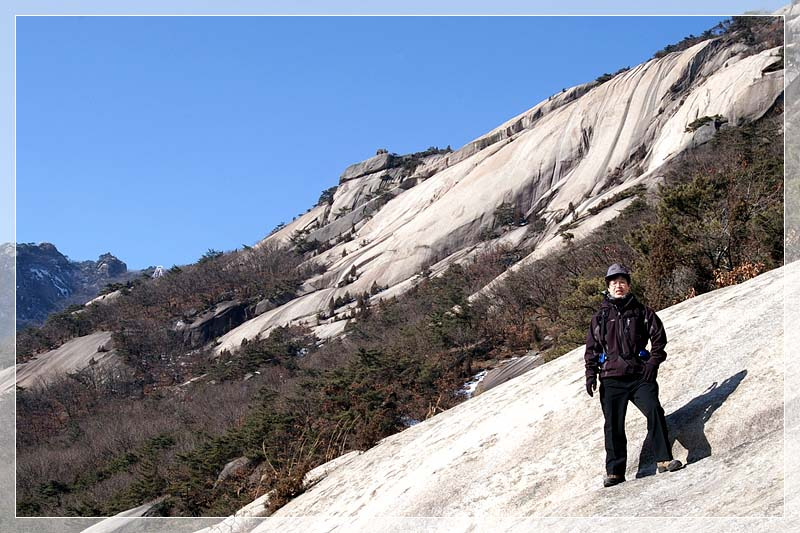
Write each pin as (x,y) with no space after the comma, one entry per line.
(72,356)
(508,370)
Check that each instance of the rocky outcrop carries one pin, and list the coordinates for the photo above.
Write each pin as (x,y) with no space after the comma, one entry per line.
(364,188)
(371,165)
(47,281)
(109,266)
(214,323)
(72,356)
(245,518)
(533,446)
(44,279)
(508,370)
(105,298)
(561,158)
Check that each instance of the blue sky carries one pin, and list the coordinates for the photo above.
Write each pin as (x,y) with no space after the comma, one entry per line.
(157,138)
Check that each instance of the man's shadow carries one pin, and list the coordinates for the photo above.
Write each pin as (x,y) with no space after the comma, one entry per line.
(687,424)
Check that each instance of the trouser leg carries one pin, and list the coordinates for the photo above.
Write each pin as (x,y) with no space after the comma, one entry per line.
(614,400)
(645,397)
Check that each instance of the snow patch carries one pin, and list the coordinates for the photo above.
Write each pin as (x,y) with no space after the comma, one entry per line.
(468,388)
(407,421)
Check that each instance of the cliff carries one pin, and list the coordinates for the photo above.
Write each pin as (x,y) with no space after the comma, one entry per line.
(392,217)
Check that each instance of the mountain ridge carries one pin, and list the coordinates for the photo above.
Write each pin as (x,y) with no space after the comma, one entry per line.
(47,281)
(544,173)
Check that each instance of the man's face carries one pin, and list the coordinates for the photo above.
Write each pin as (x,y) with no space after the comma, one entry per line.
(618,287)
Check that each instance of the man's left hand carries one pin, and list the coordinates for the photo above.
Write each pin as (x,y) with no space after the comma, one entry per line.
(650,373)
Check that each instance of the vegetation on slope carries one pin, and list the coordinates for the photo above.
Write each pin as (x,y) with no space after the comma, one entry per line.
(144,317)
(758,32)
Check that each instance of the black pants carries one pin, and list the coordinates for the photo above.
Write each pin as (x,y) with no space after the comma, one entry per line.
(614,396)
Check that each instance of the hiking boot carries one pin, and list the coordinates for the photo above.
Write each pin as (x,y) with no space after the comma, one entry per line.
(669,466)
(612,479)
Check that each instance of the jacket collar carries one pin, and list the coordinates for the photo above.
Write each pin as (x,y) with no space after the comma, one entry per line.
(620,304)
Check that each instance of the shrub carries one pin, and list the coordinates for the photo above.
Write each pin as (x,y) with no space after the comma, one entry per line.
(636,190)
(210,255)
(723,210)
(702,121)
(739,274)
(758,32)
(606,76)
(326,197)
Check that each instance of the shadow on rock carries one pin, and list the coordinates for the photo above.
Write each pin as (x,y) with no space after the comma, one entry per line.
(687,424)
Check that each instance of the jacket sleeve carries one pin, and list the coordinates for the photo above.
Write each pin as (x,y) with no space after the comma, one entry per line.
(593,349)
(658,337)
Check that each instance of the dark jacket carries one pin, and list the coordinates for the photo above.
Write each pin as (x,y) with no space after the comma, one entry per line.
(629,325)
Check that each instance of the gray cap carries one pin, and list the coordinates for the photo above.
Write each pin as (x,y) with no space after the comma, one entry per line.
(618,270)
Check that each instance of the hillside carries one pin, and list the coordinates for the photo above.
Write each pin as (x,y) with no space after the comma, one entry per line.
(532,448)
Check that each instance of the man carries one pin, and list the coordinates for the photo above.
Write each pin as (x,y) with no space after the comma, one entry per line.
(616,350)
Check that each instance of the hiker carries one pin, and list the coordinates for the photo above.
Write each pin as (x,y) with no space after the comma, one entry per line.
(616,350)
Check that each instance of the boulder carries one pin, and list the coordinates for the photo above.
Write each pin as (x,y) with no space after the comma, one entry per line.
(232,468)
(263,306)
(106,346)
(245,519)
(259,474)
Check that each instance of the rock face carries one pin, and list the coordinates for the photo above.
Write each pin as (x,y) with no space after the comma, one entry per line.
(370,166)
(533,446)
(391,216)
(109,266)
(319,473)
(47,281)
(220,319)
(508,370)
(44,279)
(73,355)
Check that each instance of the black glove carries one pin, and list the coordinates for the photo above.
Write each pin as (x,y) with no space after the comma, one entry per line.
(650,373)
(591,385)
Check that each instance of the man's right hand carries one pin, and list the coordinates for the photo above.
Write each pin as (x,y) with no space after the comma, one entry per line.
(591,385)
